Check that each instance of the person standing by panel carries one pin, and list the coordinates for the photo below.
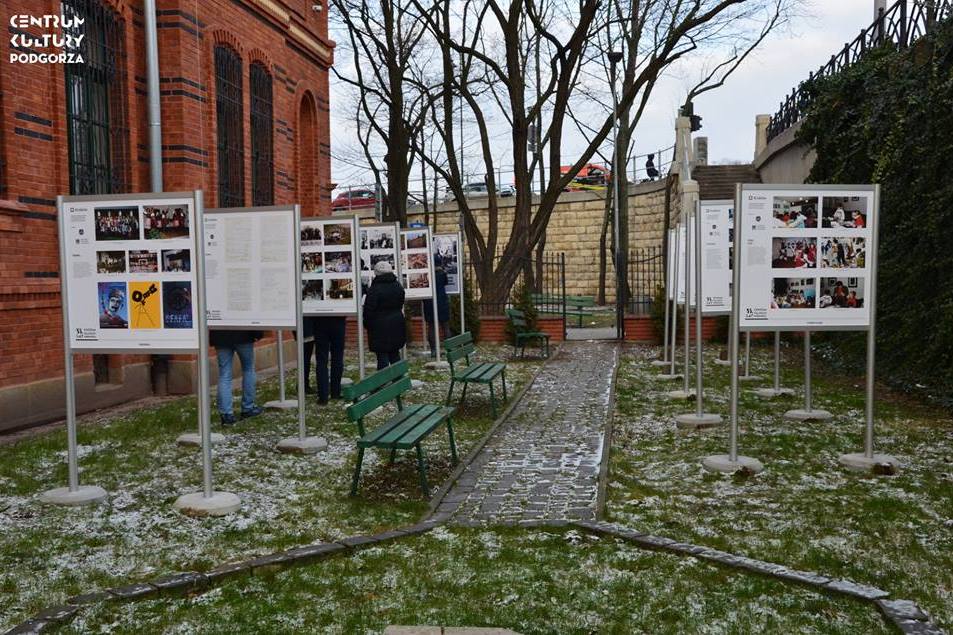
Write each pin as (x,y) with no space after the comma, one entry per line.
(227,344)
(324,334)
(441,280)
(384,315)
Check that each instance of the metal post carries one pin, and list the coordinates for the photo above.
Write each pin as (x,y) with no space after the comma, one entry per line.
(748,354)
(359,292)
(562,267)
(461,273)
(436,324)
(667,305)
(687,219)
(281,364)
(674,328)
(299,322)
(872,331)
(777,361)
(699,379)
(807,371)
(616,202)
(152,91)
(205,431)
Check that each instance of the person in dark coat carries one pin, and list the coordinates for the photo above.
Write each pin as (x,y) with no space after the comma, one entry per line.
(441,280)
(326,334)
(227,344)
(384,315)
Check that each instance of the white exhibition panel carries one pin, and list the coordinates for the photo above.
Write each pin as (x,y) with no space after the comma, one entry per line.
(447,246)
(378,242)
(329,265)
(130,274)
(250,268)
(804,259)
(678,285)
(416,263)
(717,221)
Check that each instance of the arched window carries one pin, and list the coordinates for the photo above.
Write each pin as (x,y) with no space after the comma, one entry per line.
(307,156)
(262,125)
(96,100)
(228,123)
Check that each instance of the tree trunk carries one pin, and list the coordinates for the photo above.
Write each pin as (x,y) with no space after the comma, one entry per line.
(606,216)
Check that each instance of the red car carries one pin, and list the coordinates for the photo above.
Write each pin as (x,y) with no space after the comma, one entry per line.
(351,199)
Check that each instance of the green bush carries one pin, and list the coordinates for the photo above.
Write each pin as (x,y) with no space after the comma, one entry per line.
(521,297)
(471,310)
(889,120)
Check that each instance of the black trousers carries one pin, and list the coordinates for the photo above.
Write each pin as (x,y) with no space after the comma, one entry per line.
(329,342)
(386,358)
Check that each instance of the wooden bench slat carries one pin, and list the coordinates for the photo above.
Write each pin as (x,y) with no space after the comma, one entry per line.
(423,428)
(458,340)
(490,372)
(405,428)
(373,437)
(375,381)
(379,398)
(460,353)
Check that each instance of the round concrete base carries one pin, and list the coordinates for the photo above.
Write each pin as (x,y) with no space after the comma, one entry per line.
(307,445)
(771,393)
(677,395)
(799,414)
(749,378)
(218,504)
(441,365)
(419,352)
(723,362)
(861,463)
(661,363)
(669,376)
(723,463)
(694,422)
(194,438)
(84,495)
(346,381)
(416,383)
(277,404)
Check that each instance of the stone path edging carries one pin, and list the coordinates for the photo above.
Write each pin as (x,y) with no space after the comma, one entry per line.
(601,495)
(906,615)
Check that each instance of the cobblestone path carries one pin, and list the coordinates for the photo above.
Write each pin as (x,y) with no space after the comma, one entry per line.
(543,463)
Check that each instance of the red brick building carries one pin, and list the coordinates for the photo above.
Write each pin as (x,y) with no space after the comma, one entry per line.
(245,116)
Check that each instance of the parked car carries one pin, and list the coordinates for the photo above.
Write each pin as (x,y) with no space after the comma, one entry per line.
(351,199)
(471,190)
(507,190)
(591,176)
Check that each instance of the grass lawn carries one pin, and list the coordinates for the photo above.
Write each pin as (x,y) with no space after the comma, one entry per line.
(804,510)
(530,581)
(49,553)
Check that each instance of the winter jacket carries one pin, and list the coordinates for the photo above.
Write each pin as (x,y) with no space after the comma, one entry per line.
(443,300)
(315,323)
(229,338)
(384,315)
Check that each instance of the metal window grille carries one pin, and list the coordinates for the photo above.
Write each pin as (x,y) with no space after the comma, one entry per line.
(262,125)
(97,132)
(229,120)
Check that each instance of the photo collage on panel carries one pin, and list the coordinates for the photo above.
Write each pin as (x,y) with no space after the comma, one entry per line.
(143,261)
(378,243)
(327,267)
(818,252)
(415,266)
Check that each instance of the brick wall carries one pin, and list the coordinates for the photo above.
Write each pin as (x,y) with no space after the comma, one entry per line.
(286,35)
(640,328)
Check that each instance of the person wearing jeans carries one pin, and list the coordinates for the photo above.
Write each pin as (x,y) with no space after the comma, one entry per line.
(384,315)
(326,334)
(227,344)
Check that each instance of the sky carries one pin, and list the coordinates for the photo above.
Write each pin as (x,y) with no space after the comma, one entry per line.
(728,113)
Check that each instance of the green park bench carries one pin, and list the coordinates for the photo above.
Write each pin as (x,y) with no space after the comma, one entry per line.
(409,426)
(575,305)
(523,334)
(460,347)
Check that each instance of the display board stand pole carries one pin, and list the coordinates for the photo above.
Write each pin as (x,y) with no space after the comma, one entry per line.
(673,373)
(74,494)
(283,403)
(686,391)
(698,419)
(208,502)
(462,274)
(302,444)
(661,363)
(748,376)
(776,391)
(733,462)
(869,459)
(437,364)
(808,413)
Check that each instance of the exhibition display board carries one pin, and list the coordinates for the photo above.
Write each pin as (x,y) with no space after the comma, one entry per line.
(805,257)
(448,248)
(329,266)
(717,226)
(378,242)
(678,241)
(251,270)
(130,279)
(416,263)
